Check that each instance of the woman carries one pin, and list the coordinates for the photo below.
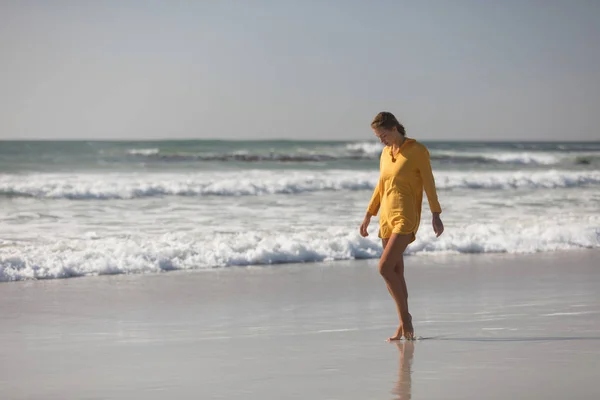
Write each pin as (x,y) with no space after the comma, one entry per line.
(405,171)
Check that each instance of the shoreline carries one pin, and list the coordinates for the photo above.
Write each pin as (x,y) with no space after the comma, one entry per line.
(437,258)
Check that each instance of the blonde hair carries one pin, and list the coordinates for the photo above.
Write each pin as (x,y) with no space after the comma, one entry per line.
(387,120)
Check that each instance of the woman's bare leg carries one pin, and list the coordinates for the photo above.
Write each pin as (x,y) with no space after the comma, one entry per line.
(407,327)
(399,332)
(391,268)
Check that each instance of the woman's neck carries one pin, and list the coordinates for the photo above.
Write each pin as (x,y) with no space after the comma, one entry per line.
(399,142)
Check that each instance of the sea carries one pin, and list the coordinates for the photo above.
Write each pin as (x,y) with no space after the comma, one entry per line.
(79,208)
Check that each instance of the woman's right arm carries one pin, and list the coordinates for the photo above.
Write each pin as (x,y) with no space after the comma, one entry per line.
(373,207)
(372,210)
(375,202)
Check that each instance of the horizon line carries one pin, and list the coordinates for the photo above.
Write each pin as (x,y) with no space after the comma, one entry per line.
(295,140)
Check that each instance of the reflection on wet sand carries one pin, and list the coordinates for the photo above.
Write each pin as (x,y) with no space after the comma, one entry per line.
(402,390)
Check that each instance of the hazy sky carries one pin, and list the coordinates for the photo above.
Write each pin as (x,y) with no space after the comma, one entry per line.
(304,69)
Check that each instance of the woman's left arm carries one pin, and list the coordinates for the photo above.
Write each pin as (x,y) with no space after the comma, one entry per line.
(430,190)
(429,181)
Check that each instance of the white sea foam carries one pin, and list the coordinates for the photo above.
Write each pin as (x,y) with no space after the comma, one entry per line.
(372,150)
(367,148)
(516,179)
(136,253)
(217,214)
(513,235)
(143,152)
(508,157)
(514,157)
(260,182)
(525,157)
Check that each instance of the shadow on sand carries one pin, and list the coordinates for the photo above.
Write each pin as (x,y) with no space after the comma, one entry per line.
(517,339)
(403,388)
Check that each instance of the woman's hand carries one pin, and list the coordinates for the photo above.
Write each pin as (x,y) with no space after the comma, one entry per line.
(438,225)
(365,225)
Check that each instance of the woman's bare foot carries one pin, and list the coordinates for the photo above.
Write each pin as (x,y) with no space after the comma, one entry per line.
(408,330)
(397,336)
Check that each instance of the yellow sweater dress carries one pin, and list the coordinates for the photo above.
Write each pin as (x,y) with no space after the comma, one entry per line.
(399,191)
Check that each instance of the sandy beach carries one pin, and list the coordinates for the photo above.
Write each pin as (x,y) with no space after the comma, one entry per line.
(492,326)
(185,189)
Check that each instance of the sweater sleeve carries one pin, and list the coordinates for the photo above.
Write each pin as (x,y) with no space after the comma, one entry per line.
(429,181)
(375,202)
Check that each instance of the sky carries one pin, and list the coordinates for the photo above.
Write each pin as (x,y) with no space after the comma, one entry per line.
(310,69)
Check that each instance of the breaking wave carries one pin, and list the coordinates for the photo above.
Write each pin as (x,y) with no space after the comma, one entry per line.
(260,182)
(368,151)
(182,251)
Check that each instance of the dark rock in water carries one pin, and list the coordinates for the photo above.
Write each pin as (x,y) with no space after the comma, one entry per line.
(582,161)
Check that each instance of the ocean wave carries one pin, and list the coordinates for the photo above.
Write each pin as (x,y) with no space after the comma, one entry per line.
(143,152)
(372,149)
(525,158)
(260,182)
(247,157)
(367,151)
(352,151)
(550,179)
(515,158)
(509,157)
(92,255)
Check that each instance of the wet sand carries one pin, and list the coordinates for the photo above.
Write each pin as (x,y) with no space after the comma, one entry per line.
(493,327)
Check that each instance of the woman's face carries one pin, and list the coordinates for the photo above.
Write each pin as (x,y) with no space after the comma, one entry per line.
(386,136)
